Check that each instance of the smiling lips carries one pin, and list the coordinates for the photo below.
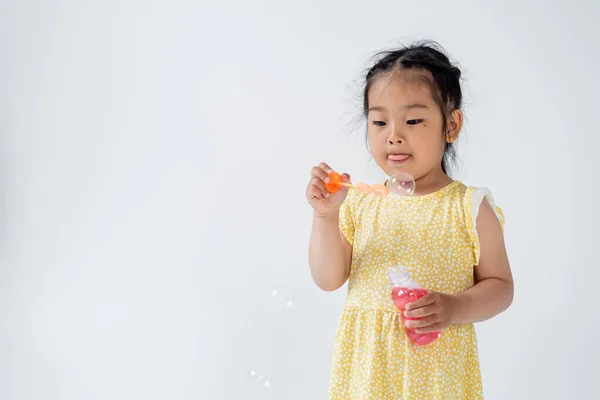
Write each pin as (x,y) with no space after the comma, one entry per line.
(398,158)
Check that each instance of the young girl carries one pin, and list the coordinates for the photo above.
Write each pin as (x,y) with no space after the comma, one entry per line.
(449,237)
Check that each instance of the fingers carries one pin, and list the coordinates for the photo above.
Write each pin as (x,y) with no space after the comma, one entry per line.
(430,313)
(320,172)
(421,311)
(422,322)
(316,189)
(424,301)
(319,177)
(436,327)
(314,192)
(326,167)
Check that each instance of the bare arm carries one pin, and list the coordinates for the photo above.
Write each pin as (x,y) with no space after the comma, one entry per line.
(330,254)
(493,290)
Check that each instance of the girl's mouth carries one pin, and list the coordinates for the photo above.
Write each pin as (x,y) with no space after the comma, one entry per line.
(398,158)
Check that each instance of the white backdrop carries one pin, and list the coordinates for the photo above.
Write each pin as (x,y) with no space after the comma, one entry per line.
(154,157)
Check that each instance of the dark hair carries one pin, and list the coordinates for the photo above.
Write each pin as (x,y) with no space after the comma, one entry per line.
(445,88)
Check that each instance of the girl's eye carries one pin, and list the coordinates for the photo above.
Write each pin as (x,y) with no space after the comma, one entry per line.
(413,121)
(379,123)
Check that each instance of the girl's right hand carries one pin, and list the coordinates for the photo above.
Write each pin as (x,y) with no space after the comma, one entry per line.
(323,202)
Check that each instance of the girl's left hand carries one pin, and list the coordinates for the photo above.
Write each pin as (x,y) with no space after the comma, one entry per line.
(435,312)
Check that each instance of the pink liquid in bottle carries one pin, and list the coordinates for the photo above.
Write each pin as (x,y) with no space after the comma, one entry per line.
(404,291)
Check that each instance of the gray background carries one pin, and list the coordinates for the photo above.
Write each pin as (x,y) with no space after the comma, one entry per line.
(153,162)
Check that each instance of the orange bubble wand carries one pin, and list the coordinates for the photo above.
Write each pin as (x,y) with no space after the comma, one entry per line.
(401,184)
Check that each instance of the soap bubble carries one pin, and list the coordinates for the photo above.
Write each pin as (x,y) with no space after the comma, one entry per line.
(278,314)
(401,184)
(262,381)
(281,300)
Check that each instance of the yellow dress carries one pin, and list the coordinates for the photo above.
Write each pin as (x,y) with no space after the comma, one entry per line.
(435,237)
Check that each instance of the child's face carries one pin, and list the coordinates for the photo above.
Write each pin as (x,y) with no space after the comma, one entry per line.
(405,125)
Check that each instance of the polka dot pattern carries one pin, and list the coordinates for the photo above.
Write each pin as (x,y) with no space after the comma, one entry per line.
(434,236)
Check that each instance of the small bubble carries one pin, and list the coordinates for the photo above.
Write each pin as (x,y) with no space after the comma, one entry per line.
(401,184)
(281,300)
(260,380)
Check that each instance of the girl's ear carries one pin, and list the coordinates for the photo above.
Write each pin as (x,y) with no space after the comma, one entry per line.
(455,123)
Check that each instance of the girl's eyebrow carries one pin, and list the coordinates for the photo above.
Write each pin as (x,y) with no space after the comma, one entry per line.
(416,105)
(408,107)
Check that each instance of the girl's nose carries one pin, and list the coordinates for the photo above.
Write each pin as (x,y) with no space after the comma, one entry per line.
(395,135)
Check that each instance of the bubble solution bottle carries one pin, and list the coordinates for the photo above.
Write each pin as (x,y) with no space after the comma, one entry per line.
(405,290)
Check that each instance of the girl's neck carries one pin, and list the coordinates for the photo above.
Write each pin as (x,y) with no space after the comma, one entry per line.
(431,182)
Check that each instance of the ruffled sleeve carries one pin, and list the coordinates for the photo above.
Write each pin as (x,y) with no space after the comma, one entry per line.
(472,202)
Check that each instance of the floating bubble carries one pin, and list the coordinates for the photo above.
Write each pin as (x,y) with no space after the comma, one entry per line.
(260,380)
(281,300)
(401,184)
